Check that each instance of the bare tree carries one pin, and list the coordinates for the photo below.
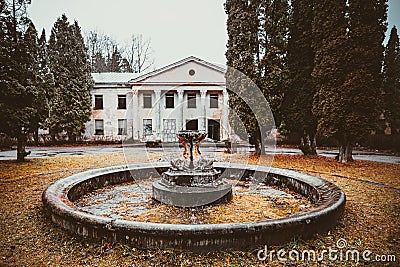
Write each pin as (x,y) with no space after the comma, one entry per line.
(139,53)
(99,42)
(136,56)
(100,49)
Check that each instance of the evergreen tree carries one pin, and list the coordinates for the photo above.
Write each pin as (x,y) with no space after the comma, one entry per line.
(329,73)
(299,93)
(348,58)
(46,82)
(114,62)
(32,46)
(274,18)
(242,48)
(98,63)
(58,50)
(257,47)
(18,78)
(125,66)
(70,66)
(367,26)
(391,81)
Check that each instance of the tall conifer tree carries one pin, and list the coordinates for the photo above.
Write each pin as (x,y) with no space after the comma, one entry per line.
(367,26)
(391,81)
(114,62)
(299,93)
(242,51)
(257,47)
(348,45)
(98,63)
(274,18)
(32,46)
(46,82)
(70,65)
(18,77)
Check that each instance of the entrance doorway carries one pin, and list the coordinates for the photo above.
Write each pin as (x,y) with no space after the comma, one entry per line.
(214,129)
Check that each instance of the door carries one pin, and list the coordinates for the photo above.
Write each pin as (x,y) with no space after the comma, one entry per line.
(169,130)
(214,130)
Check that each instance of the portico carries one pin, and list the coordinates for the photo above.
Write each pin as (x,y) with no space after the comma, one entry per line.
(186,94)
(189,109)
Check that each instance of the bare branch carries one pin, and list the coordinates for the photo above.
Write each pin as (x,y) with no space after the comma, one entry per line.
(139,53)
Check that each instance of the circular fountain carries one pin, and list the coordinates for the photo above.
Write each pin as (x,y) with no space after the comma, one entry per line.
(191,184)
(193,181)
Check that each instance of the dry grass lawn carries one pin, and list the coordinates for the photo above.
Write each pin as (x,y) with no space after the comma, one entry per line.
(28,238)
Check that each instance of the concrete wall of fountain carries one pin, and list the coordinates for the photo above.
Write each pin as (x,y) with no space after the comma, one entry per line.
(329,206)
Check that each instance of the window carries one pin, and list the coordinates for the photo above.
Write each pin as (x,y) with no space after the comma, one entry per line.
(147,101)
(99,127)
(191,100)
(98,102)
(121,101)
(169,100)
(213,100)
(147,127)
(192,125)
(121,127)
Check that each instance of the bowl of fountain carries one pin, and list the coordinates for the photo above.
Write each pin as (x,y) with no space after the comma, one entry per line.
(191,181)
(194,203)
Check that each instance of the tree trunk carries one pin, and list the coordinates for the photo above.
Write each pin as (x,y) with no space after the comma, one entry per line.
(36,136)
(53,138)
(314,143)
(345,152)
(72,138)
(349,152)
(259,147)
(21,145)
(308,146)
(262,147)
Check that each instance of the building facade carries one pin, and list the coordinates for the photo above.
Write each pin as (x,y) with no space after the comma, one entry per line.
(187,95)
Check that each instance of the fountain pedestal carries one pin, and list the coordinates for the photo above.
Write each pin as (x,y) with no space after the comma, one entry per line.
(191,182)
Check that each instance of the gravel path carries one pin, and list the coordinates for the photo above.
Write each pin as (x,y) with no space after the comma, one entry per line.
(38,152)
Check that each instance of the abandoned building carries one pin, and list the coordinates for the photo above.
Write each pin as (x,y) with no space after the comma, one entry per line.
(187,95)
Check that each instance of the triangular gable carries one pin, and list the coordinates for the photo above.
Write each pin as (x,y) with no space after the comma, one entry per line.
(180,72)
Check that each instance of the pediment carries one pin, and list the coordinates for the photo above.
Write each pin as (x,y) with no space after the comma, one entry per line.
(190,70)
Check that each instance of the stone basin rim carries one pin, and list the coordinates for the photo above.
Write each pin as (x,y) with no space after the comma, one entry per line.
(51,198)
(329,207)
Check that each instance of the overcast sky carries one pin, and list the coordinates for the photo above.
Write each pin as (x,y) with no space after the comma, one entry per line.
(177,28)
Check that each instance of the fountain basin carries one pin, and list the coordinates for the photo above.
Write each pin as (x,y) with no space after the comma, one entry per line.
(58,201)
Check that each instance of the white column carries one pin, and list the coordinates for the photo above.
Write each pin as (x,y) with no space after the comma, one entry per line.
(135,115)
(225,111)
(157,112)
(180,109)
(203,107)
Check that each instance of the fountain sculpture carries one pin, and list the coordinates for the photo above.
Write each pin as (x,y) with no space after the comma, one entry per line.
(191,181)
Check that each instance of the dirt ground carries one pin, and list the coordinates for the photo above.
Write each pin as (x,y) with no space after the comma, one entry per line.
(28,238)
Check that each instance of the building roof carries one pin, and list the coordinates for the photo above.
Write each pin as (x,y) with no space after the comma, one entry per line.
(129,77)
(114,77)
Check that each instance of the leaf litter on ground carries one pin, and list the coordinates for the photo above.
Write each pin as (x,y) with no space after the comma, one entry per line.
(28,238)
